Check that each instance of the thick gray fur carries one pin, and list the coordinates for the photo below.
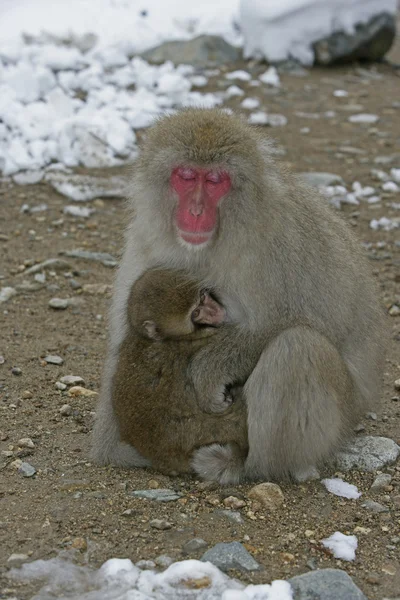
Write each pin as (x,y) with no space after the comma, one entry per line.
(289,273)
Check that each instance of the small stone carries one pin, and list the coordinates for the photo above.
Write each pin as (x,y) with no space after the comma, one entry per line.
(325,584)
(372,416)
(7,453)
(72,380)
(160,495)
(233,502)
(381,481)
(153,484)
(231,515)
(59,303)
(394,310)
(27,470)
(79,543)
(16,371)
(146,565)
(96,289)
(163,561)
(15,560)
(194,545)
(2,359)
(359,428)
(60,386)
(6,293)
(374,506)
(26,443)
(3,436)
(78,390)
(66,410)
(160,524)
(54,359)
(368,453)
(231,555)
(397,385)
(27,395)
(268,494)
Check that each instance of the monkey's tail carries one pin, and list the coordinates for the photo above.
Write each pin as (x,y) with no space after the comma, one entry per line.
(221,463)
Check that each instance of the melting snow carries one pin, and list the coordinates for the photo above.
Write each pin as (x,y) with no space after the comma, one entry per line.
(340,488)
(342,546)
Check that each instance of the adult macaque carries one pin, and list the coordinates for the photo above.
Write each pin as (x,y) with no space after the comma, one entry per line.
(170,320)
(209,198)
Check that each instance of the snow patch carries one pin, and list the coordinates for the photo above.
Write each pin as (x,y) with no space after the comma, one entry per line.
(341,488)
(342,546)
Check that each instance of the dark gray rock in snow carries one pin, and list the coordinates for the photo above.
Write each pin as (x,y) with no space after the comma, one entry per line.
(231,556)
(325,584)
(368,453)
(369,41)
(202,51)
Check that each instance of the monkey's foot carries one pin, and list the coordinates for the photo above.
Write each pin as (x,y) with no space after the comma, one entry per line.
(224,464)
(219,402)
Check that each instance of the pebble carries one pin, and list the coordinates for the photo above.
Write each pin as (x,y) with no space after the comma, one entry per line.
(375,507)
(160,495)
(397,385)
(72,380)
(194,545)
(153,484)
(231,555)
(27,470)
(163,561)
(60,386)
(79,543)
(160,524)
(27,395)
(2,359)
(15,560)
(232,515)
(78,390)
(381,481)
(54,359)
(66,410)
(26,443)
(233,502)
(146,564)
(59,303)
(96,289)
(269,495)
(368,453)
(6,293)
(325,584)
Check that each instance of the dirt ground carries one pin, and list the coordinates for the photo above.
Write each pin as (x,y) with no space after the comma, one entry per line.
(72,503)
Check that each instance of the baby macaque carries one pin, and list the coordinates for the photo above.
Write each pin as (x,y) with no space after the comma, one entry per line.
(169,319)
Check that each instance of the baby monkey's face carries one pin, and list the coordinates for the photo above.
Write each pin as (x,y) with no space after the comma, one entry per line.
(196,321)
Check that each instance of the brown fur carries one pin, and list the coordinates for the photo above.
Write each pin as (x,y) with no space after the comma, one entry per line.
(153,397)
(290,275)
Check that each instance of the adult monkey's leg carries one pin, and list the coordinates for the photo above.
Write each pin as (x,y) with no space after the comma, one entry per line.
(300,400)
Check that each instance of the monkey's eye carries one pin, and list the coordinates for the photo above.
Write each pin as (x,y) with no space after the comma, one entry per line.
(186,174)
(213,177)
(196,313)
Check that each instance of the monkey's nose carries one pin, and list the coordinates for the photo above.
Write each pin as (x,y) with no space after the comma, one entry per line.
(196,211)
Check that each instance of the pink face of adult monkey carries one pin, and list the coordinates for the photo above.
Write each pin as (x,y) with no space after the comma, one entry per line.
(306,330)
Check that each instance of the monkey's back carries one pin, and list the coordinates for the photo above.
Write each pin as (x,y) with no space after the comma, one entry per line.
(156,407)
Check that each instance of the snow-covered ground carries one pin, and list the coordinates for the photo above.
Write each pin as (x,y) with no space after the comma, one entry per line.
(120,579)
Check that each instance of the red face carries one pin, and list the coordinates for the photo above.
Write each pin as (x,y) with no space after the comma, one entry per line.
(199,193)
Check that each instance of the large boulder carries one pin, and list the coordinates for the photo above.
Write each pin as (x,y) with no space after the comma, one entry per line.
(203,51)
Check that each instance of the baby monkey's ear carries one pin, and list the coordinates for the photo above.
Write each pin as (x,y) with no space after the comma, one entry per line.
(150,330)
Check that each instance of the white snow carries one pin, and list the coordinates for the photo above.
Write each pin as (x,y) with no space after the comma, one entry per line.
(390,186)
(341,488)
(258,118)
(78,211)
(363,118)
(281,29)
(342,546)
(384,223)
(240,75)
(270,77)
(250,103)
(340,94)
(395,173)
(120,579)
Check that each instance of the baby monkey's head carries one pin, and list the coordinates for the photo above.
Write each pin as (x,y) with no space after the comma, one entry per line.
(166,304)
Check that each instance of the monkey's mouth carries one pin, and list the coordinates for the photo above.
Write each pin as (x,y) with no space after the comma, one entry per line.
(196,238)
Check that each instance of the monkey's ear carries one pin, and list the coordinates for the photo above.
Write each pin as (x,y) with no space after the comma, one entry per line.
(151,330)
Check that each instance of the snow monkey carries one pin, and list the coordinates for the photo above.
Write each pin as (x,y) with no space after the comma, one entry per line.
(208,197)
(169,320)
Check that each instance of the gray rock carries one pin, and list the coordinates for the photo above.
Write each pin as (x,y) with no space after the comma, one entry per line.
(231,556)
(26,470)
(16,560)
(66,410)
(369,41)
(106,259)
(59,303)
(82,188)
(368,453)
(54,359)
(231,515)
(381,481)
(6,293)
(51,264)
(163,561)
(202,51)
(325,584)
(160,524)
(72,380)
(194,545)
(146,564)
(318,179)
(161,495)
(375,507)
